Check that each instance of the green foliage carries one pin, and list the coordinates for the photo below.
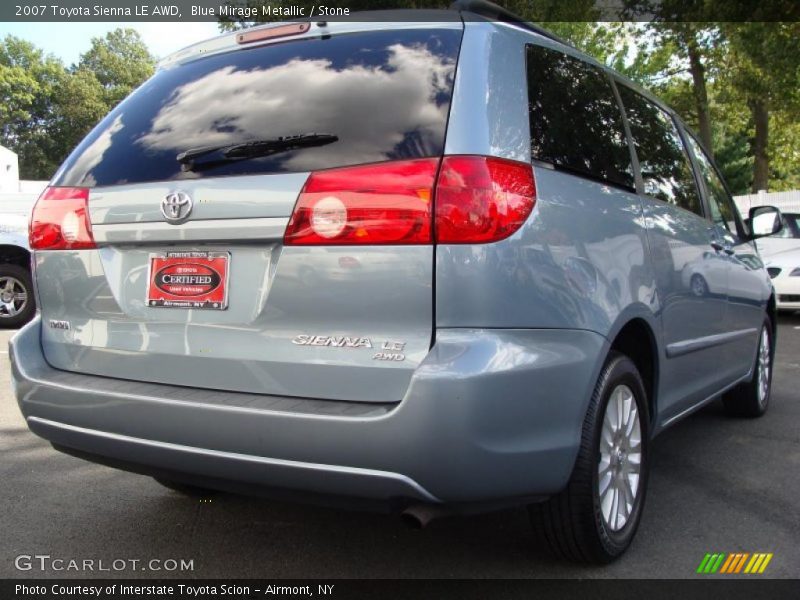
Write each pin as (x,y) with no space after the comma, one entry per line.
(47,108)
(29,84)
(120,62)
(75,119)
(784,151)
(761,71)
(610,43)
(733,158)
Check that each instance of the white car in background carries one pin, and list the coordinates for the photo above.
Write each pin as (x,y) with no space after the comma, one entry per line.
(781,255)
(787,238)
(17,305)
(784,268)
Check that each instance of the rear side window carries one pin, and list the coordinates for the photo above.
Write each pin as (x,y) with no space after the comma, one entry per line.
(575,120)
(723,210)
(384,95)
(666,170)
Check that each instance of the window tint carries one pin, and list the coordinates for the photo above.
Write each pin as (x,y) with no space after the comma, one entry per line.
(723,210)
(575,120)
(384,94)
(665,166)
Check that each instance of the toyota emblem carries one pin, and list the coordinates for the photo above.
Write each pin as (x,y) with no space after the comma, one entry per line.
(176,207)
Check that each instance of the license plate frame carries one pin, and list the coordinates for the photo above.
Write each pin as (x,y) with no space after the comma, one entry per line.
(188,279)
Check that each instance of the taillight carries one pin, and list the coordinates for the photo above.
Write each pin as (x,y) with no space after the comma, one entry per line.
(60,220)
(482,199)
(383,203)
(478,200)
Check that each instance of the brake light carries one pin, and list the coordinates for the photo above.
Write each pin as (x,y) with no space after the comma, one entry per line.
(383,203)
(482,199)
(60,220)
(259,35)
(478,200)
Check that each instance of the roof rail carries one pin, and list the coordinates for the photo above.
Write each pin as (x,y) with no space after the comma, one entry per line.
(491,10)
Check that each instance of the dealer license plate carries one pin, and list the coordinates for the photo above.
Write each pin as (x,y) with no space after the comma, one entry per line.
(189,279)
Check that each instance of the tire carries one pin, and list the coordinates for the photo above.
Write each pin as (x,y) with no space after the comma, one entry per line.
(751,398)
(698,286)
(15,280)
(184,488)
(576,524)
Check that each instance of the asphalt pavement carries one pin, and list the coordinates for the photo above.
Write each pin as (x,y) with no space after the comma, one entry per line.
(717,485)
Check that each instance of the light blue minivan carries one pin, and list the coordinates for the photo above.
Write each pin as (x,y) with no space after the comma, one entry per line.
(440,265)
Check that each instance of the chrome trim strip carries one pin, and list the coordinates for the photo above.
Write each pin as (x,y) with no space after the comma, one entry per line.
(260,460)
(693,345)
(265,228)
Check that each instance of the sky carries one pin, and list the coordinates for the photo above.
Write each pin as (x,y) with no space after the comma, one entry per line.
(69,40)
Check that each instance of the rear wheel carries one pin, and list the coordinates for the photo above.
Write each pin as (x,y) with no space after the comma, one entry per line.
(595,518)
(751,399)
(16,296)
(699,286)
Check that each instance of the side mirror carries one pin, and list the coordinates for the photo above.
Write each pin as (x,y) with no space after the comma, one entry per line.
(765,221)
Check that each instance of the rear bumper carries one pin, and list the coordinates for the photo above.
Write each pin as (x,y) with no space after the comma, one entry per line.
(490,415)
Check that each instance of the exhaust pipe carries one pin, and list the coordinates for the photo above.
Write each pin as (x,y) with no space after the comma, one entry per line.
(417,516)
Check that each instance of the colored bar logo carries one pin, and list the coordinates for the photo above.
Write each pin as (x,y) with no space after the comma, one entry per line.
(734,563)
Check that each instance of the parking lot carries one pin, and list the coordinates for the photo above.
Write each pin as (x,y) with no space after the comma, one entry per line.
(717,485)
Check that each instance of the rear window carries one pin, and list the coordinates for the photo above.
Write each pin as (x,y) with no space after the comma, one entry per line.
(575,120)
(384,95)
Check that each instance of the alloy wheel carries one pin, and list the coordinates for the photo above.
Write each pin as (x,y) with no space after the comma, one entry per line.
(619,467)
(763,366)
(13,297)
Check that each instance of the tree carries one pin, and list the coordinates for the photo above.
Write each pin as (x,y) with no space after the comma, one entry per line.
(693,42)
(29,81)
(685,26)
(120,61)
(46,109)
(82,103)
(784,152)
(607,42)
(762,71)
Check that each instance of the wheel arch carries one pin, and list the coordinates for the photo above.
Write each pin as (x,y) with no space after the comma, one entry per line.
(635,337)
(772,313)
(15,255)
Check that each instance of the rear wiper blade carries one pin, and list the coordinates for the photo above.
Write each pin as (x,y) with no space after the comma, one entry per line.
(216,155)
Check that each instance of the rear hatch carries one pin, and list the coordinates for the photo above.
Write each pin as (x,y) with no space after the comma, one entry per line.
(191,282)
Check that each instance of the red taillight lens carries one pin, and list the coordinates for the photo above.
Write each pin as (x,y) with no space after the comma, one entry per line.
(478,200)
(481,199)
(384,203)
(60,220)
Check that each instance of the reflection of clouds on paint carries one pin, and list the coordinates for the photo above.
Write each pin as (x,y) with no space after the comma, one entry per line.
(311,96)
(93,154)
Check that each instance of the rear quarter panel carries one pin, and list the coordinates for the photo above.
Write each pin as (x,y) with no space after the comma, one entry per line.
(581,260)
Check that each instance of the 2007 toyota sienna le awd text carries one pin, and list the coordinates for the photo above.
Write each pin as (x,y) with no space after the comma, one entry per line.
(447,264)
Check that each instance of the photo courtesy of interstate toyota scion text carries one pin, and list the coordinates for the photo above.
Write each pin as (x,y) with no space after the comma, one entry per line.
(432,266)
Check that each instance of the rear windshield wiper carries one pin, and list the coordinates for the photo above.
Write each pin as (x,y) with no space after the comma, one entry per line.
(216,155)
